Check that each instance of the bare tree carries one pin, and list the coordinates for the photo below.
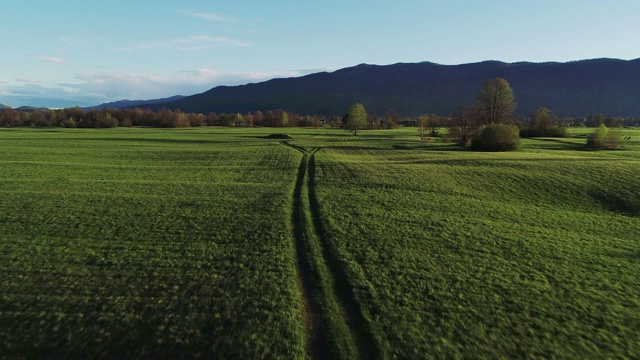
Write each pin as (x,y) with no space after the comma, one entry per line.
(495,102)
(464,124)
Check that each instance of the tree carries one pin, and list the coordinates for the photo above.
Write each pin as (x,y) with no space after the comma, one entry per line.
(356,118)
(495,102)
(196,119)
(602,138)
(270,119)
(543,123)
(238,120)
(422,124)
(53,117)
(166,118)
(258,118)
(283,120)
(38,118)
(391,119)
(542,120)
(10,117)
(464,124)
(108,121)
(434,121)
(69,123)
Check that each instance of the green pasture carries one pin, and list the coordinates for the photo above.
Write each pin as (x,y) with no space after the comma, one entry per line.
(146,242)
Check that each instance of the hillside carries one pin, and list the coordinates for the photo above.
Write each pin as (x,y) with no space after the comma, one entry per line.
(133,103)
(576,89)
(31,108)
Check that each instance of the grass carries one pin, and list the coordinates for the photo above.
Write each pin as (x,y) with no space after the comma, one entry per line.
(457,253)
(143,242)
(146,242)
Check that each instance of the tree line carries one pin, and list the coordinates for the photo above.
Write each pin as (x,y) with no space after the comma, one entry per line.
(541,123)
(108,118)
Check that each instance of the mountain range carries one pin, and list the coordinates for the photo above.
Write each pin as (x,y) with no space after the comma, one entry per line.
(577,89)
(122,104)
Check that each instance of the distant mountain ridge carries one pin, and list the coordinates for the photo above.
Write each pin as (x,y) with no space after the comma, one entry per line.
(576,88)
(122,104)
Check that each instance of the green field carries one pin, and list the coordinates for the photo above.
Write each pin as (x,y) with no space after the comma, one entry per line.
(219,242)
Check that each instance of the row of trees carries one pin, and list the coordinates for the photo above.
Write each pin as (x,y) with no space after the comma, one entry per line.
(495,103)
(107,118)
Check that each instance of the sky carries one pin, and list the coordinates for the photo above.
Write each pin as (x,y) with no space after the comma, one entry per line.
(64,53)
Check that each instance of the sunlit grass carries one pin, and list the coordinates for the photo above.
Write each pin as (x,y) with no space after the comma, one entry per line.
(147,242)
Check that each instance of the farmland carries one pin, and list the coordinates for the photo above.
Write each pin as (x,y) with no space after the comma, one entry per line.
(220,242)
(145,243)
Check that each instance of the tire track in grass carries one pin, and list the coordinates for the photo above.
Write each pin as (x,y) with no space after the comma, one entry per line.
(335,324)
(316,339)
(360,331)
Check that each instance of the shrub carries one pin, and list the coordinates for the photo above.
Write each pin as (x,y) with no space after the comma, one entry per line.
(602,138)
(497,137)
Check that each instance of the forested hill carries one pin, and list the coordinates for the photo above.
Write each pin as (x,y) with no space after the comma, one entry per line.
(122,104)
(575,89)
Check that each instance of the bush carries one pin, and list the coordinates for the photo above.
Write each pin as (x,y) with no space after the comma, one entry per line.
(497,137)
(602,138)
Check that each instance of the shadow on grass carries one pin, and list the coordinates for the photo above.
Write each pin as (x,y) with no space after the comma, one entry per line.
(557,144)
(615,203)
(631,256)
(421,147)
(152,140)
(355,148)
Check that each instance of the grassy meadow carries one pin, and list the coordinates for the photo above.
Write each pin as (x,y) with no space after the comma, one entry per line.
(145,242)
(219,242)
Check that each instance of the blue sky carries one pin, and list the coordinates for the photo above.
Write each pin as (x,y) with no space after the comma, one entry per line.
(64,53)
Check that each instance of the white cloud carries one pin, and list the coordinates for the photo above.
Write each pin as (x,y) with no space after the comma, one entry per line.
(202,42)
(50,59)
(207,16)
(191,43)
(37,95)
(93,88)
(25,80)
(210,76)
(303,72)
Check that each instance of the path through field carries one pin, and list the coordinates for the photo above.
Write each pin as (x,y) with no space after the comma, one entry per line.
(316,338)
(313,253)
